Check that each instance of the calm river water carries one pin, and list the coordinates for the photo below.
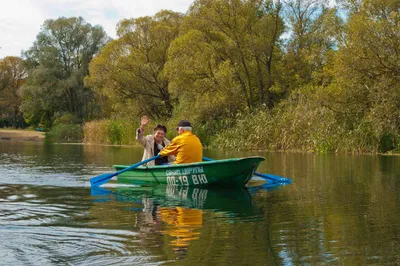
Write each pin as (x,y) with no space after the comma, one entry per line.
(340,210)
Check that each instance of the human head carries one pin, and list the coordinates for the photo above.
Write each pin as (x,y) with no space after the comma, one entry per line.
(159,132)
(184,125)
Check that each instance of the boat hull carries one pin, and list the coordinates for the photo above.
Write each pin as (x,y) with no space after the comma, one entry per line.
(230,172)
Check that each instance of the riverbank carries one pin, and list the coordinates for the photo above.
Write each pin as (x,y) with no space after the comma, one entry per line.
(21,135)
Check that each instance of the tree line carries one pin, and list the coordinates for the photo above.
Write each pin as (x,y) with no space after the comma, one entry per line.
(298,75)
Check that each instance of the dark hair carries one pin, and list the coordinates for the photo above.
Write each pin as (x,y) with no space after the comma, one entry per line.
(160,127)
(183,123)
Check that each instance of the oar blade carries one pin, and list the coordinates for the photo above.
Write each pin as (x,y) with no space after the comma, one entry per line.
(100,179)
(275,178)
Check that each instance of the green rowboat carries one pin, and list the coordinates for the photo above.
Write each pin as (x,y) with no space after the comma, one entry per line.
(234,172)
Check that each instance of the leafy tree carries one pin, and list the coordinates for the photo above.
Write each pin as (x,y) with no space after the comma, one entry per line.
(314,34)
(130,70)
(59,60)
(367,89)
(226,55)
(13,73)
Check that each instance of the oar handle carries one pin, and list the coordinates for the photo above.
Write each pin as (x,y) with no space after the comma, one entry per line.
(104,178)
(136,165)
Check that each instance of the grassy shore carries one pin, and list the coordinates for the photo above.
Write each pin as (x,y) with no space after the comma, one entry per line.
(21,135)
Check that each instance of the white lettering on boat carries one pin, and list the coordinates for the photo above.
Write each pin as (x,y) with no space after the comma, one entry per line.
(185,171)
(199,179)
(184,180)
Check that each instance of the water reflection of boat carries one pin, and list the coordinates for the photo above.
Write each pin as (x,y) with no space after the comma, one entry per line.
(178,212)
(235,200)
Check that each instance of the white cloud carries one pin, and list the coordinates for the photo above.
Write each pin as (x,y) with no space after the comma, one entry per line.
(20,20)
(19,24)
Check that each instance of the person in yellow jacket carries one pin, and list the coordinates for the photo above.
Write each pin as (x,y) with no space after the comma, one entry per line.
(186,146)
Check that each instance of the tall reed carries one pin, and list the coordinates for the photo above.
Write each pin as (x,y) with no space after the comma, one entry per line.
(110,132)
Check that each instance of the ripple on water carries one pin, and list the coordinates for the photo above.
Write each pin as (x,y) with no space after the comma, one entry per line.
(13,197)
(43,228)
(51,245)
(17,169)
(29,195)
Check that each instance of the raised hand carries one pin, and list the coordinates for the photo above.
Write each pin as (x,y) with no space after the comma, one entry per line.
(144,121)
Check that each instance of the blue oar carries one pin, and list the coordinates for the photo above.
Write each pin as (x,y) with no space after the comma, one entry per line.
(275,178)
(271,177)
(104,178)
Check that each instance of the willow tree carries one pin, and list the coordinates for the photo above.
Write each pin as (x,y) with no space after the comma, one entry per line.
(367,90)
(59,60)
(13,73)
(314,29)
(130,69)
(225,56)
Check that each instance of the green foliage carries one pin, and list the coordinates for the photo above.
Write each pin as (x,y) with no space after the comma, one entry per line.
(248,74)
(59,60)
(251,131)
(96,132)
(315,34)
(5,123)
(331,86)
(112,132)
(66,127)
(12,76)
(46,121)
(365,92)
(299,123)
(227,48)
(115,132)
(66,119)
(387,143)
(130,70)
(65,133)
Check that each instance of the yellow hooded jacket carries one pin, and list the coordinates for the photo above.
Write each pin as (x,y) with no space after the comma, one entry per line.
(186,147)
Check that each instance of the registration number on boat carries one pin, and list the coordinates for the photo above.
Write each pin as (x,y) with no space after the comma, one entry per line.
(184,180)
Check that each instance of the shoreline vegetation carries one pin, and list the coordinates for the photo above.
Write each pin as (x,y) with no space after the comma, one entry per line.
(297,75)
(31,135)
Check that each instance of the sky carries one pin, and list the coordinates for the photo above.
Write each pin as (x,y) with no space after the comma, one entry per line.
(20,20)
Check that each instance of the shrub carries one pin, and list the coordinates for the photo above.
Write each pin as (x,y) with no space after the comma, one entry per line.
(65,132)
(114,132)
(67,119)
